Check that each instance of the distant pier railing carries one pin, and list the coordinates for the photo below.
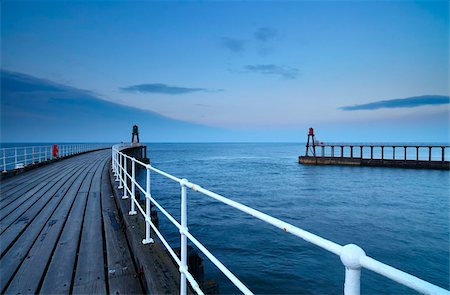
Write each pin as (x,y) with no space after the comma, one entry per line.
(381,151)
(396,155)
(12,158)
(353,257)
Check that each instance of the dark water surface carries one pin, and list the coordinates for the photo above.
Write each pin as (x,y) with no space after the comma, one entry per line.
(398,216)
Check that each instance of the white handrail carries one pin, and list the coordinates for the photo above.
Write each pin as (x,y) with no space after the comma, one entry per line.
(353,257)
(12,158)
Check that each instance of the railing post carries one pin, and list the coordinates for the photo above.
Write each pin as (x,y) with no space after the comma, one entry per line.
(4,161)
(443,153)
(120,174)
(119,168)
(350,257)
(125,181)
(342,151)
(429,153)
(25,156)
(405,152)
(332,151)
(382,153)
(351,151)
(114,163)
(417,153)
(148,239)
(323,151)
(393,153)
(32,155)
(183,266)
(15,158)
(371,152)
(133,187)
(361,151)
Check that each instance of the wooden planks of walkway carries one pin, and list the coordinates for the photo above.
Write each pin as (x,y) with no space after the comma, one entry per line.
(60,232)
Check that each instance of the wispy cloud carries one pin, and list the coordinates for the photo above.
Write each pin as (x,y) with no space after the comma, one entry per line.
(409,102)
(233,45)
(164,89)
(265,34)
(271,69)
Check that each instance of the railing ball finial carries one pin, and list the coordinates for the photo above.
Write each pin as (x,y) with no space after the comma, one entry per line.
(184,182)
(351,256)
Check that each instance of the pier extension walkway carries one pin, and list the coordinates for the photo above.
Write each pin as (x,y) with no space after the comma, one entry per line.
(60,234)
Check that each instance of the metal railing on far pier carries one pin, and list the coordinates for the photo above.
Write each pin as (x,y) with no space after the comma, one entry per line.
(403,152)
(18,157)
(353,258)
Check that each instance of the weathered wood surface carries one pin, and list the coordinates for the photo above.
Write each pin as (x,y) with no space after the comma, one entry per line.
(121,274)
(54,234)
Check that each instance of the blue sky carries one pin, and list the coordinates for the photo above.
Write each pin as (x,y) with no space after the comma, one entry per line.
(260,70)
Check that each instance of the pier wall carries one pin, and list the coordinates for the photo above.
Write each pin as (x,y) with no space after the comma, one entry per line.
(411,164)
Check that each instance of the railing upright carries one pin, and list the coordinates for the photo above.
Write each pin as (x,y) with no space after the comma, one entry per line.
(183,231)
(148,239)
(116,168)
(119,171)
(32,155)
(122,173)
(350,256)
(25,156)
(4,161)
(133,189)
(125,180)
(114,164)
(15,157)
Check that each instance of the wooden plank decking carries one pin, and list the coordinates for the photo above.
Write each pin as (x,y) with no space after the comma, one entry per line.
(60,234)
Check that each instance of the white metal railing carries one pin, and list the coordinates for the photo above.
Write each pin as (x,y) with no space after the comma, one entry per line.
(18,157)
(353,257)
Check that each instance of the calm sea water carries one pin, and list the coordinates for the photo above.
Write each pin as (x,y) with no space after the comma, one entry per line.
(399,216)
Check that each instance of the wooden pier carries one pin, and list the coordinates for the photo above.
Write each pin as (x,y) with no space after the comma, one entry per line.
(64,229)
(394,156)
(59,231)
